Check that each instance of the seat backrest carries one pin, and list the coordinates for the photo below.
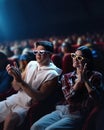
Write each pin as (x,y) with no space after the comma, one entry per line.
(100,120)
(90,121)
(67,63)
(39,109)
(57,60)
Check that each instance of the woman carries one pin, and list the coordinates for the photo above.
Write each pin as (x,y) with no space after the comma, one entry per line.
(81,89)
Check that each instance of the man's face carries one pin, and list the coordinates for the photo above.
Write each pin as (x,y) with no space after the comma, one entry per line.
(42,56)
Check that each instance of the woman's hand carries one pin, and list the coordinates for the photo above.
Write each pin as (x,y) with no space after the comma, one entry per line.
(81,73)
(14,71)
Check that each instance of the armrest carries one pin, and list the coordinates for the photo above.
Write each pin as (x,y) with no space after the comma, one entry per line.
(91,119)
(7,94)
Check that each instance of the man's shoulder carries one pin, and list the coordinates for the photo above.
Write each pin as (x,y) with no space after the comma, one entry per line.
(53,67)
(32,63)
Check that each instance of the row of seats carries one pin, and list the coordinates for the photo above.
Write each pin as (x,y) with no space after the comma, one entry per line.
(94,120)
(35,112)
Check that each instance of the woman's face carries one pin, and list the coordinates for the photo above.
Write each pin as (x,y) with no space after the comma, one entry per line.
(78,59)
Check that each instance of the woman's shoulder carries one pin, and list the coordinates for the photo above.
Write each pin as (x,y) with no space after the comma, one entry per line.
(97,73)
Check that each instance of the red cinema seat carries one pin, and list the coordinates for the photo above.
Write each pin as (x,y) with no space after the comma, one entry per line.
(67,63)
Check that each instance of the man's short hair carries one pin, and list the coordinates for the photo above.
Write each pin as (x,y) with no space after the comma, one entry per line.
(48,45)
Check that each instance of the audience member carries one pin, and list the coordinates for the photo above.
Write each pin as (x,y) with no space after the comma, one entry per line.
(35,85)
(5,79)
(66,48)
(25,59)
(81,89)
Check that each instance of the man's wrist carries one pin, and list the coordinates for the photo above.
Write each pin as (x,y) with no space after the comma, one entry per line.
(22,84)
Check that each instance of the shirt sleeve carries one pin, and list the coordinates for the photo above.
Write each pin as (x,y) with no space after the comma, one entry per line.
(96,82)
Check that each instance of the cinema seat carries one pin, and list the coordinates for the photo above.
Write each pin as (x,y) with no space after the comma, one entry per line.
(95,119)
(67,63)
(56,58)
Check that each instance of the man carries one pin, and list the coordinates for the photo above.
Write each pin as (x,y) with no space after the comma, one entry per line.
(36,83)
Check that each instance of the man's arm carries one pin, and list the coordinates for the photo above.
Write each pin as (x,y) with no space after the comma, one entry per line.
(45,89)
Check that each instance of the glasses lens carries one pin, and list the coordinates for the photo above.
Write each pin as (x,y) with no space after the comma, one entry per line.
(35,52)
(80,58)
(41,52)
(73,55)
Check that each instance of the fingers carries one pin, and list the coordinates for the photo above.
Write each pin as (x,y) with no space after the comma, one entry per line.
(82,67)
(13,71)
(8,68)
(16,68)
(85,67)
(17,72)
(15,64)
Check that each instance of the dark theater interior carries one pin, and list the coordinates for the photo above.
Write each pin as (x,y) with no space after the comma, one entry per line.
(22,19)
(52,61)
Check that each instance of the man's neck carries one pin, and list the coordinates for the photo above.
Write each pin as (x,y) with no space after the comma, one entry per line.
(44,64)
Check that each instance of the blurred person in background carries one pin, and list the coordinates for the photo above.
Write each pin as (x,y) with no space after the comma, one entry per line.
(5,79)
(8,51)
(25,59)
(66,48)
